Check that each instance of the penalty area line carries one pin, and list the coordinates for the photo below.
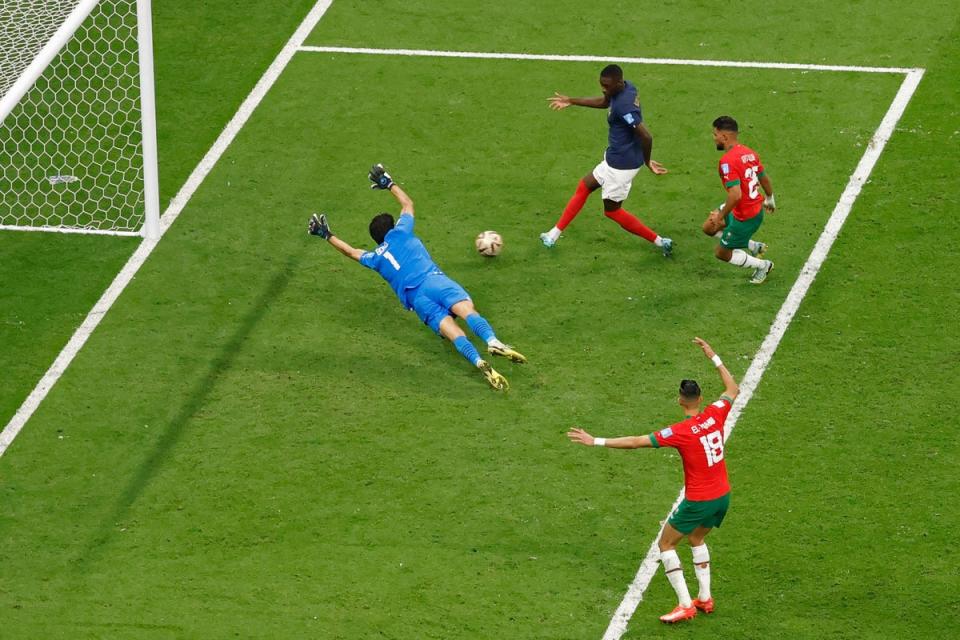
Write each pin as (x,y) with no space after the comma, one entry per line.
(146,247)
(648,568)
(429,53)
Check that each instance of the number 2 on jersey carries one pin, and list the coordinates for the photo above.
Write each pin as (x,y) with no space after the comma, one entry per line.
(713,447)
(751,174)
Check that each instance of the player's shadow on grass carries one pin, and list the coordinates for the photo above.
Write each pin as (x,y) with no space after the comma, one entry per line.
(193,403)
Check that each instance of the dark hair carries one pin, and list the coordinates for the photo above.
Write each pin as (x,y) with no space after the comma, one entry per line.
(380,226)
(689,389)
(612,71)
(726,123)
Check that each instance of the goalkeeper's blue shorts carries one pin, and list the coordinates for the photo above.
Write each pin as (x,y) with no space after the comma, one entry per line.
(434,297)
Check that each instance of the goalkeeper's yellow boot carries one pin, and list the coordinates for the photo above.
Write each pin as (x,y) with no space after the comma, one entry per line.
(507,352)
(496,380)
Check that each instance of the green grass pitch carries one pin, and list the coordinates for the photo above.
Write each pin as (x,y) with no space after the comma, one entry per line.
(259,442)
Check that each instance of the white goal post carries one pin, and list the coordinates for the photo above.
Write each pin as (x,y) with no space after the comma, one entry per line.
(78,149)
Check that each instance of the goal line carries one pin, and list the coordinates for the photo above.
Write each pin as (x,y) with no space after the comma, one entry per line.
(76,230)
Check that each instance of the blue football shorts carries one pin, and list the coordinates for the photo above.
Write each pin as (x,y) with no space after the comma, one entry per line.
(434,297)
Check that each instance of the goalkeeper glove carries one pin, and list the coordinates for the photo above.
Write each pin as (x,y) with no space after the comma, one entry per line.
(380,178)
(318,226)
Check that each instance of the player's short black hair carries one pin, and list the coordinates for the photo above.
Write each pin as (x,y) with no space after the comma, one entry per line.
(726,123)
(380,226)
(689,389)
(612,71)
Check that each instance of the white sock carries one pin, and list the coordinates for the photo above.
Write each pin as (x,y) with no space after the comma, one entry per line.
(741,258)
(702,556)
(493,342)
(554,234)
(658,241)
(671,566)
(753,245)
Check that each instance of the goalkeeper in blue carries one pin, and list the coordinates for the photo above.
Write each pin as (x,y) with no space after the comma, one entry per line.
(401,259)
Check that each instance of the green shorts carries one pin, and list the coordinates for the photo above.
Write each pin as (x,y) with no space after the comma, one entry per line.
(737,233)
(700,513)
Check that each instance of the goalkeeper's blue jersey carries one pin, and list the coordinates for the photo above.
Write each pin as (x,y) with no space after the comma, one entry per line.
(401,260)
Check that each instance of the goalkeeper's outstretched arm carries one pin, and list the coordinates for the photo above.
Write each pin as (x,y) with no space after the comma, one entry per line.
(406,204)
(319,226)
(345,248)
(382,180)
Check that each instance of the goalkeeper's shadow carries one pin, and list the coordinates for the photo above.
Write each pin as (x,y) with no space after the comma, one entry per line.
(192,404)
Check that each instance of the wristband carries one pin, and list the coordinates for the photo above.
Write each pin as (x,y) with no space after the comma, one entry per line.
(599,442)
(721,207)
(717,361)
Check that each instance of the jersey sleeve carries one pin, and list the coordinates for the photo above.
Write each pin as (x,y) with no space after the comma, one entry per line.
(721,408)
(405,223)
(729,174)
(632,117)
(628,111)
(668,437)
(369,260)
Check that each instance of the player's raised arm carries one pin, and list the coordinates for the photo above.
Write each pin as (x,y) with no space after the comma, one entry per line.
(318,226)
(406,203)
(646,145)
(580,436)
(382,180)
(730,385)
(558,101)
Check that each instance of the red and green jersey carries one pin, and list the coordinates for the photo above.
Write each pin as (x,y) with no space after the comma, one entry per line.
(741,166)
(699,440)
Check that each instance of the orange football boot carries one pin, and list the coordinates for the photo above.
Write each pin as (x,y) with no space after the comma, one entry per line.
(679,613)
(704,605)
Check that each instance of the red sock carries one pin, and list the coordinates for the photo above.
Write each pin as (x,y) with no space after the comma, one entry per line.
(573,207)
(630,222)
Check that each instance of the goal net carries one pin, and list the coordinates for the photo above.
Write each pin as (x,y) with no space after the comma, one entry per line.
(77,130)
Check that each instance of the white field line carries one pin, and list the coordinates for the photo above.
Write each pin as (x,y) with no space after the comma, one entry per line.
(618,624)
(146,247)
(81,231)
(577,58)
(782,321)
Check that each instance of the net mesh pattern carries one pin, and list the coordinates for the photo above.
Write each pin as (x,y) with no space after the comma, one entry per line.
(71,150)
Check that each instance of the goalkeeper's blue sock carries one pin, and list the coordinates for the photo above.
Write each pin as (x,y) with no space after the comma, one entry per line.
(479,325)
(467,350)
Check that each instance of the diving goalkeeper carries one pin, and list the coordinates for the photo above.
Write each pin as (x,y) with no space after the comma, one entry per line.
(401,259)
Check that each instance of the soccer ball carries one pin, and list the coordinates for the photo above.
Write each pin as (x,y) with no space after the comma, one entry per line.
(489,243)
